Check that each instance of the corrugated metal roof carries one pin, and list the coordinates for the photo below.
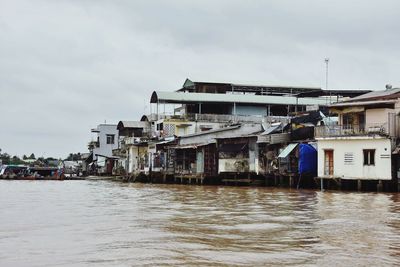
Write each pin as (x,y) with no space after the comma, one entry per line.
(133,124)
(376,94)
(194,145)
(191,82)
(287,150)
(363,103)
(272,129)
(224,129)
(179,97)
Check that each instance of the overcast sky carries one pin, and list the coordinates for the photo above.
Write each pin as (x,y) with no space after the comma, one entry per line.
(66,66)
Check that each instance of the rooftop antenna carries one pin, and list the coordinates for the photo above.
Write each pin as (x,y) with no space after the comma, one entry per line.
(326,78)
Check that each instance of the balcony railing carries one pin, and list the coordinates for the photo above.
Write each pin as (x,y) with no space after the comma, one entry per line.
(220,118)
(227,118)
(352,130)
(93,144)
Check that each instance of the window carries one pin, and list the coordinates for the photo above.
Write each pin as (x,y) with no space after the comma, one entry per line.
(160,126)
(348,158)
(369,156)
(348,120)
(110,139)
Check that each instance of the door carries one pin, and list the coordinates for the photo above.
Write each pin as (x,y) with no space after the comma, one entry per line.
(328,166)
(200,162)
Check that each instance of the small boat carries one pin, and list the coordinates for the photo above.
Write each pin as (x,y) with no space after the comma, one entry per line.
(12,171)
(43,173)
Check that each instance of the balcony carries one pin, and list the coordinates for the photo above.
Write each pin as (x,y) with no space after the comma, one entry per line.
(354,130)
(93,144)
(220,118)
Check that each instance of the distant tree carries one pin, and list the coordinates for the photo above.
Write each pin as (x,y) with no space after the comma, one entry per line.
(32,156)
(16,160)
(24,157)
(5,158)
(73,157)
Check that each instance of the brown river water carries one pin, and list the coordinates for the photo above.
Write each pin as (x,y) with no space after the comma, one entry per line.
(104,223)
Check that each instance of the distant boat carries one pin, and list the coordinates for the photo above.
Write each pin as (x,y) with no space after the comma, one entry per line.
(17,172)
(12,171)
(43,173)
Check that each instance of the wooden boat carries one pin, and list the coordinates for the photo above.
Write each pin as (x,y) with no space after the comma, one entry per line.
(43,173)
(12,171)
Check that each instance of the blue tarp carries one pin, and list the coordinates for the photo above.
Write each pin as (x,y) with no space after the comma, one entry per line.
(307,159)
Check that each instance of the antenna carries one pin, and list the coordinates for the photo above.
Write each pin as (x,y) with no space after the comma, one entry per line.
(326,78)
(326,73)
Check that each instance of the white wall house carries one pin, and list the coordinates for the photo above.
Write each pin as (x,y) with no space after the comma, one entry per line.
(360,158)
(107,140)
(360,147)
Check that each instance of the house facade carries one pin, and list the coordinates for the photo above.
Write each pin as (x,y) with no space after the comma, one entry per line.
(360,147)
(106,140)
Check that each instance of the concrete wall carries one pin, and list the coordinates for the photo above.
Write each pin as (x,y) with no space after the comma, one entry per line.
(353,148)
(135,153)
(189,127)
(104,148)
(241,165)
(377,115)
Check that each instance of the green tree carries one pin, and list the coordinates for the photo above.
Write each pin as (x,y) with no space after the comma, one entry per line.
(32,156)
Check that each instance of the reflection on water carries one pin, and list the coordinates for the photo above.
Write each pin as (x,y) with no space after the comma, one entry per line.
(100,223)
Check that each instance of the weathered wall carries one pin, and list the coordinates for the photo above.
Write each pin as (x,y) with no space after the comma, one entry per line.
(355,169)
(377,115)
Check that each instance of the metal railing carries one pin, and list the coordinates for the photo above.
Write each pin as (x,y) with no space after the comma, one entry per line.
(220,118)
(352,130)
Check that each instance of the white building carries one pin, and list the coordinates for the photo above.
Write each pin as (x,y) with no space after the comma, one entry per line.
(360,147)
(107,140)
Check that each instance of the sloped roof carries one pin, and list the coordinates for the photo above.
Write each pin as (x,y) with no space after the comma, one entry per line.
(132,124)
(190,83)
(224,129)
(287,150)
(385,94)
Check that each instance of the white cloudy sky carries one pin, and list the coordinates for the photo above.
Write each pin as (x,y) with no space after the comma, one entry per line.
(66,66)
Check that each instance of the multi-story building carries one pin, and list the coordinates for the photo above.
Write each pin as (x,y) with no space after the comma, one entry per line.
(102,148)
(360,147)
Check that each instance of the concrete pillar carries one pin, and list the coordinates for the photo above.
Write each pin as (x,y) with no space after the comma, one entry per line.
(379,186)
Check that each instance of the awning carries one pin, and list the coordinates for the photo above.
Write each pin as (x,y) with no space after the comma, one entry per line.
(90,158)
(287,150)
(347,110)
(193,146)
(272,129)
(107,157)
